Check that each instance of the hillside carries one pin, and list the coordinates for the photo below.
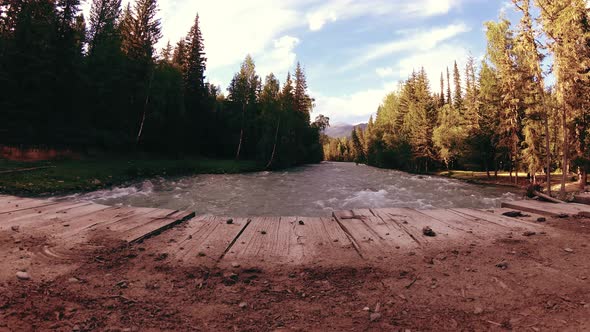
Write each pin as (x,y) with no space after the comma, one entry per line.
(340,130)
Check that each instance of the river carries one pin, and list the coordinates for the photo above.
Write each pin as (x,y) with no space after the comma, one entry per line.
(314,190)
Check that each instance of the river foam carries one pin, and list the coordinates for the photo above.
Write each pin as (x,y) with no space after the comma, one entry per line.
(315,190)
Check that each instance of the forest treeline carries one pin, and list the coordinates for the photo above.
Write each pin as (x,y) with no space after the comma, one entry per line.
(98,82)
(500,115)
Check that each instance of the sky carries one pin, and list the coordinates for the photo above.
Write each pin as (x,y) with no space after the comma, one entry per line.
(354,52)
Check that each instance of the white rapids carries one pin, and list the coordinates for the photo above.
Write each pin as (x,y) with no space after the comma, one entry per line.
(314,190)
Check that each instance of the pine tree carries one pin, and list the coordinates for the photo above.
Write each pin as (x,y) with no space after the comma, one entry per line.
(302,100)
(441,101)
(458,97)
(531,76)
(449,97)
(167,53)
(103,22)
(563,22)
(196,63)
(470,102)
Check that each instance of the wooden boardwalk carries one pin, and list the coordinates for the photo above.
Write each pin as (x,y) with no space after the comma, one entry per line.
(355,235)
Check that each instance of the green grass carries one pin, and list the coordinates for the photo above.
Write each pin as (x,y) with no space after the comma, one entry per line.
(68,176)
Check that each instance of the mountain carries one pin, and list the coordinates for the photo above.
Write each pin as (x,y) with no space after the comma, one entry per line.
(340,130)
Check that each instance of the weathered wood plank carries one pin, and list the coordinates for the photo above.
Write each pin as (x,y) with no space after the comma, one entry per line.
(203,240)
(53,214)
(372,236)
(503,223)
(19,204)
(414,222)
(583,198)
(549,209)
(471,227)
(292,240)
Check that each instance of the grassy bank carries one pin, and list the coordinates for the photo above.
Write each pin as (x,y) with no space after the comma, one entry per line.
(67,176)
(504,179)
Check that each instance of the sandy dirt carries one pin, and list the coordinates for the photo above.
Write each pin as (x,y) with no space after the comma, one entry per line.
(518,282)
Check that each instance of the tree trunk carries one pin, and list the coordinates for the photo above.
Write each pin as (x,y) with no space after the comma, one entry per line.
(145,105)
(548,152)
(241,132)
(583,179)
(565,153)
(274,147)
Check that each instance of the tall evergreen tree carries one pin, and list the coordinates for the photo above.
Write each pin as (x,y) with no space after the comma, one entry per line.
(458,96)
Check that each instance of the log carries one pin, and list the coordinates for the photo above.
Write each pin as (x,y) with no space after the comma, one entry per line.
(547,197)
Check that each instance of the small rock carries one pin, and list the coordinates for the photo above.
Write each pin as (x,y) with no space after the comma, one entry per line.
(541,219)
(563,216)
(502,265)
(22,275)
(529,233)
(15,228)
(235,265)
(428,231)
(366,309)
(263,232)
(478,311)
(374,317)
(570,250)
(17,241)
(243,305)
(301,222)
(229,221)
(76,328)
(73,280)
(513,214)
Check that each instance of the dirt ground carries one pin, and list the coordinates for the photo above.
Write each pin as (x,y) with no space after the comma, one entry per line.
(521,283)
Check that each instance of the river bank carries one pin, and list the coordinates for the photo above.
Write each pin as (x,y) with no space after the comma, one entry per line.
(61,177)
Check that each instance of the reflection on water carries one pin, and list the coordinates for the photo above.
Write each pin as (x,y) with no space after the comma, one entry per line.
(313,190)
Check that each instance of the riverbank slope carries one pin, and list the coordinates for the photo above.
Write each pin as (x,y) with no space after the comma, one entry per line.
(44,178)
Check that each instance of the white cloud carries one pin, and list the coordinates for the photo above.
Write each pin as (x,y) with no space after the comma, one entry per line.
(333,10)
(422,40)
(279,59)
(352,108)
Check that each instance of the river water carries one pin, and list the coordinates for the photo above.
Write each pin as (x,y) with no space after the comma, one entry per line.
(314,190)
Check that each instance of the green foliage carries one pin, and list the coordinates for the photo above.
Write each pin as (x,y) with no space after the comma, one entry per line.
(103,87)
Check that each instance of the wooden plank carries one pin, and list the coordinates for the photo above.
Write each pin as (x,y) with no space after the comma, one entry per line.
(413,222)
(102,219)
(393,231)
(129,224)
(473,227)
(293,241)
(510,224)
(370,235)
(527,216)
(203,240)
(19,204)
(155,227)
(64,216)
(549,209)
(37,211)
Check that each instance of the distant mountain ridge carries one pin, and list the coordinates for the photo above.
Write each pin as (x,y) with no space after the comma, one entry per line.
(341,130)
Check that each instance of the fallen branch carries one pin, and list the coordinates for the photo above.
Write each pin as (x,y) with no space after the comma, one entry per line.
(547,197)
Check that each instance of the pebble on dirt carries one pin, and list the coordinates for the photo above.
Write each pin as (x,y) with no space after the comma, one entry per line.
(22,275)
(428,231)
(502,265)
(301,222)
(230,221)
(374,317)
(15,228)
(541,219)
(529,233)
(243,305)
(235,265)
(570,250)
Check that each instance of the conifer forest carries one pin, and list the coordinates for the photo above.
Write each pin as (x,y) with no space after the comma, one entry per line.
(99,82)
(497,114)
